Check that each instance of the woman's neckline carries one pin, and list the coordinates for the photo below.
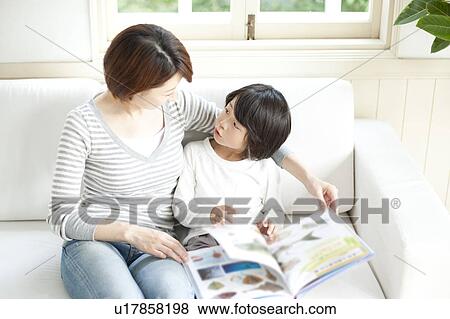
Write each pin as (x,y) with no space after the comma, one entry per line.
(121,143)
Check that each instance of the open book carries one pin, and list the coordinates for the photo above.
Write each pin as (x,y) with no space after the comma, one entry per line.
(302,256)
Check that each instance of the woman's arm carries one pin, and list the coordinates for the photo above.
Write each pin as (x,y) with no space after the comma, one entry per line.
(114,232)
(151,241)
(325,192)
(292,164)
(198,113)
(73,149)
(64,217)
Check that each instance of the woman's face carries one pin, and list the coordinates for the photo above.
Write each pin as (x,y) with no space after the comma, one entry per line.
(228,131)
(158,96)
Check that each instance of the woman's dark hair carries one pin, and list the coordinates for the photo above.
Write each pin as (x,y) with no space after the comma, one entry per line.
(142,57)
(265,114)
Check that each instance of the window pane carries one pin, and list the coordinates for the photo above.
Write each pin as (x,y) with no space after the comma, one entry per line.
(355,5)
(292,5)
(148,5)
(210,5)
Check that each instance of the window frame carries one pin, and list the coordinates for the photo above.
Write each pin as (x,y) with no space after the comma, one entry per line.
(191,25)
(101,19)
(330,24)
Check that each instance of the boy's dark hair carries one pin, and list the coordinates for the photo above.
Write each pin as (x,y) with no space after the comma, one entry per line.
(142,57)
(265,114)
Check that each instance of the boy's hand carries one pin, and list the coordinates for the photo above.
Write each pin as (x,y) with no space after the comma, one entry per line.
(266,227)
(222,214)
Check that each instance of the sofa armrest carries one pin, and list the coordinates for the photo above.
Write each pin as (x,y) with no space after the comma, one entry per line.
(413,247)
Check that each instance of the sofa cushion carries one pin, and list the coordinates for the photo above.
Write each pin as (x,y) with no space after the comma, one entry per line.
(32,115)
(33,112)
(412,246)
(30,267)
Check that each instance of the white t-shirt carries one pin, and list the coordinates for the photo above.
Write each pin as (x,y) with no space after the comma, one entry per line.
(145,146)
(209,180)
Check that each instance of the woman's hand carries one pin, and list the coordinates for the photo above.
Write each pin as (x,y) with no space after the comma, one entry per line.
(222,214)
(325,192)
(267,228)
(156,242)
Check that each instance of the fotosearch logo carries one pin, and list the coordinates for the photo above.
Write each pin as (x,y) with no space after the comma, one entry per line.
(198,210)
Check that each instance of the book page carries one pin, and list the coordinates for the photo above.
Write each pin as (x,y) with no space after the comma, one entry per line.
(216,275)
(309,250)
(245,242)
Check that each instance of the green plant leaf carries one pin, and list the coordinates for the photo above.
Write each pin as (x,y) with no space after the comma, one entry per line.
(439,7)
(438,45)
(413,11)
(437,25)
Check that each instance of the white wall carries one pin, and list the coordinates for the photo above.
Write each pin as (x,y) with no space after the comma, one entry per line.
(419,111)
(418,45)
(65,22)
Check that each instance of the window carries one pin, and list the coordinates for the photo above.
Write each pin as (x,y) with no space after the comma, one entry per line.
(317,19)
(227,19)
(187,19)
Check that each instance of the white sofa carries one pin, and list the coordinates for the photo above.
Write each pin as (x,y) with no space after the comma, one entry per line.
(363,158)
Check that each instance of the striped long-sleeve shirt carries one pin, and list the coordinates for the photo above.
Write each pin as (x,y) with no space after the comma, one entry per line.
(99,179)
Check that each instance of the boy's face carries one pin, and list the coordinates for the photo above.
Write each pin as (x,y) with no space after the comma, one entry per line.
(228,131)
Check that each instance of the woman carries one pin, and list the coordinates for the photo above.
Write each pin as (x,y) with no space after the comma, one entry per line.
(122,151)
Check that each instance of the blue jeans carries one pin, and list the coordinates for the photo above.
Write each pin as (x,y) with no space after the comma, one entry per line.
(97,269)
